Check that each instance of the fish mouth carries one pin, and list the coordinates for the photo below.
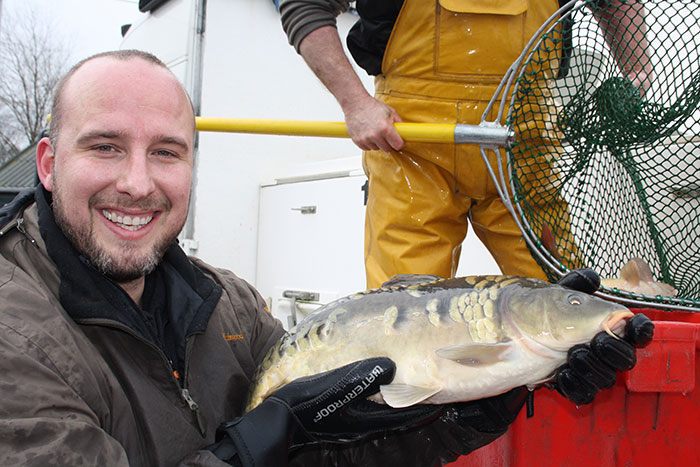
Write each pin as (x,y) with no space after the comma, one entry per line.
(617,320)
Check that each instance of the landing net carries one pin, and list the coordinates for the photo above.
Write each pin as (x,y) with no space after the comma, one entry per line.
(604,169)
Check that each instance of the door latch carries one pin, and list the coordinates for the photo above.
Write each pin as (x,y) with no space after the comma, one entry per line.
(306,209)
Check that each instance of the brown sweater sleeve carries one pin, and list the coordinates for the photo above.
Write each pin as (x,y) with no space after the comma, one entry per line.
(301,17)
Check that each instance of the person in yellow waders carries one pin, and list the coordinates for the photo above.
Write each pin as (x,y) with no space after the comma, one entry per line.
(442,63)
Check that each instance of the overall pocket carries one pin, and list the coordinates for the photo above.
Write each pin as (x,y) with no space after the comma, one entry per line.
(479,39)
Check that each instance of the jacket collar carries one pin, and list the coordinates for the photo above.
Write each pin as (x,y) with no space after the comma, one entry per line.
(186,295)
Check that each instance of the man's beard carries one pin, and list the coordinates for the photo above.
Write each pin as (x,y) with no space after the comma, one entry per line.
(81,236)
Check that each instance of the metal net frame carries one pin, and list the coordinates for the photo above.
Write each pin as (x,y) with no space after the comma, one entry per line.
(602,170)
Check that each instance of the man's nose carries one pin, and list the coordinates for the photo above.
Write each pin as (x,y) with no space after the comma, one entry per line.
(136,177)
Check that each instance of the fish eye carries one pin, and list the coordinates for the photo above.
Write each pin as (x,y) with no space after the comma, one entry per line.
(575,300)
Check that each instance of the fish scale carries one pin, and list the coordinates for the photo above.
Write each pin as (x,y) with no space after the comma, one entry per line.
(451,339)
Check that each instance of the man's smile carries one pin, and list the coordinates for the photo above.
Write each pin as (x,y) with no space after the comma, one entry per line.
(127,222)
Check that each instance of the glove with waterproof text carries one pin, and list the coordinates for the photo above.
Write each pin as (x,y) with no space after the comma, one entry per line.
(459,429)
(593,367)
(329,407)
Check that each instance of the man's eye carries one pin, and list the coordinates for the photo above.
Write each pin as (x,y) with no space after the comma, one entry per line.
(164,153)
(104,148)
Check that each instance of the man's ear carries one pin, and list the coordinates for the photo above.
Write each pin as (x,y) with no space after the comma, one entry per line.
(44,163)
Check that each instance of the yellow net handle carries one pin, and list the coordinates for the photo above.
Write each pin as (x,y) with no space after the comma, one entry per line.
(423,132)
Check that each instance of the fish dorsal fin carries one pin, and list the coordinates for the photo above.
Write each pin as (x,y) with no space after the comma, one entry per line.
(475,354)
(404,395)
(635,271)
(410,279)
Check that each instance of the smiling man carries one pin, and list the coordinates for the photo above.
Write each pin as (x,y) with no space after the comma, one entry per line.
(112,340)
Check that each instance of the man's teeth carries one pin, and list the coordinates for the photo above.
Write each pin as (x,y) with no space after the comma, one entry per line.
(127,222)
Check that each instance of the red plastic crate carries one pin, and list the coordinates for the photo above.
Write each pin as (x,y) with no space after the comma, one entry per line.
(650,418)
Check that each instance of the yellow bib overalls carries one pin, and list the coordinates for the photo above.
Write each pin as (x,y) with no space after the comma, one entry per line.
(442,64)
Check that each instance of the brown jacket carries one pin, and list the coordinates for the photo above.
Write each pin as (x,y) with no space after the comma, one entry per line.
(81,388)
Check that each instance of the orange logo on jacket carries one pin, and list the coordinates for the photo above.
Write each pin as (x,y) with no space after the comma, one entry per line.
(232,337)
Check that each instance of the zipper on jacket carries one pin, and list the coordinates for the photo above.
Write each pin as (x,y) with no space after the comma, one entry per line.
(184,392)
(201,422)
(195,410)
(20,227)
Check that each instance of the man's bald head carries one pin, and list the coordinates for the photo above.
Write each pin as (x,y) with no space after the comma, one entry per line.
(57,107)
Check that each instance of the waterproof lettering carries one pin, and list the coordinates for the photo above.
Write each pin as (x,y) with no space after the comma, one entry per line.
(355,392)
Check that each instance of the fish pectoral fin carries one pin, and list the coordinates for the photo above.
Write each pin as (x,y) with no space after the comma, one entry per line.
(475,354)
(404,395)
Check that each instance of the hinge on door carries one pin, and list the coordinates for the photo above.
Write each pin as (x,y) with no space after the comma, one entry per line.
(298,295)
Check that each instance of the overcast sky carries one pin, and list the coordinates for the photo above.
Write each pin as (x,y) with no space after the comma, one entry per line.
(86,26)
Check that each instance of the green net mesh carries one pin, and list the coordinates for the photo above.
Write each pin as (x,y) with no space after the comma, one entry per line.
(605,169)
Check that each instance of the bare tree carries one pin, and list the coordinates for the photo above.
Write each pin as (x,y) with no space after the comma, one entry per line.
(32,60)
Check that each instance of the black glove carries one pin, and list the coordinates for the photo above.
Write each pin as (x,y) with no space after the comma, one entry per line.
(477,423)
(593,367)
(331,406)
(458,430)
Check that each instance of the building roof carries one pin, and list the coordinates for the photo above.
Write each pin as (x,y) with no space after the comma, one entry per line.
(19,172)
